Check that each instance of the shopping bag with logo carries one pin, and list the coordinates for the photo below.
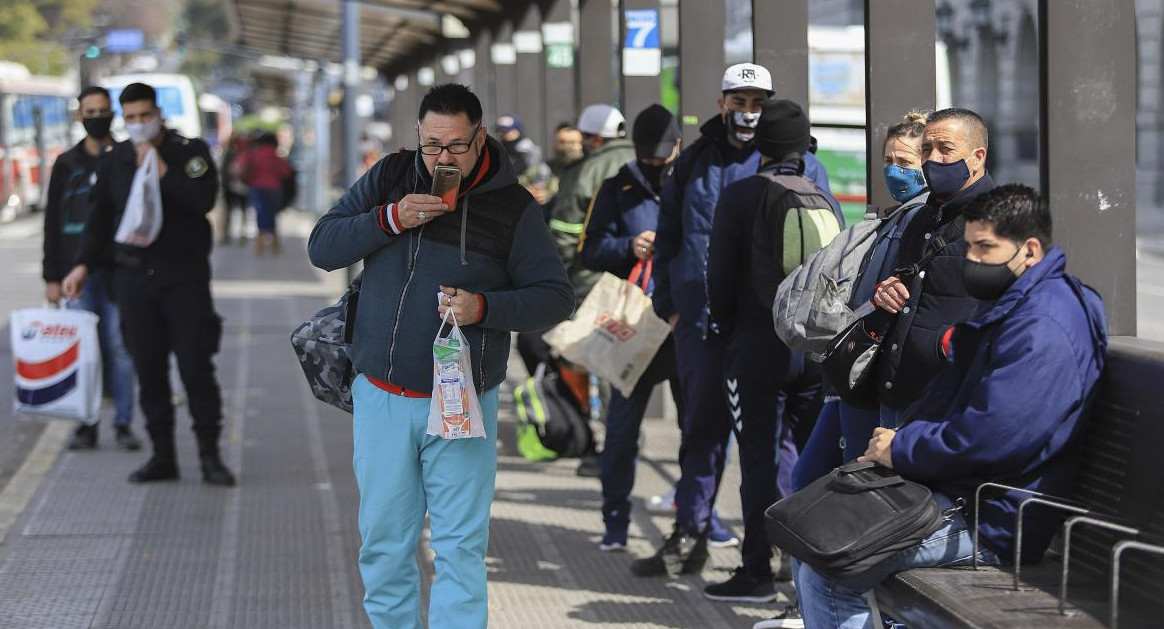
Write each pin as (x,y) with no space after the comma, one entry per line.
(142,220)
(455,411)
(615,333)
(57,364)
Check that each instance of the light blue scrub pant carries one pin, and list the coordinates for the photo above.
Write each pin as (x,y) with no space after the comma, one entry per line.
(402,473)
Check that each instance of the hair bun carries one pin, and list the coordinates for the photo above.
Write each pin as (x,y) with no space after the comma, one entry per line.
(915,116)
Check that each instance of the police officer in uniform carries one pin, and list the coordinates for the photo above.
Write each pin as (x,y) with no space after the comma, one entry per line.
(163,288)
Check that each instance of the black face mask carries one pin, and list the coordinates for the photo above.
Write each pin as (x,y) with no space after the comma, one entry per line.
(655,175)
(97,128)
(988,282)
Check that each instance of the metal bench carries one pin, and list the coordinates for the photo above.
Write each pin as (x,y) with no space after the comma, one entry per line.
(1121,488)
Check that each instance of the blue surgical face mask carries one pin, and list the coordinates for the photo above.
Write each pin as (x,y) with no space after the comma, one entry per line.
(946,180)
(904,183)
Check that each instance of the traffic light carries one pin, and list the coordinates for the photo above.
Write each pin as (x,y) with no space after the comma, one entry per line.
(93,51)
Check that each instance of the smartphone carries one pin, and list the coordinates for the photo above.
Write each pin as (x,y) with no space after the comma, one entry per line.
(446,182)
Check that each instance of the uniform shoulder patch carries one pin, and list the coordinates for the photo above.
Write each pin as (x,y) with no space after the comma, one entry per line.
(196,167)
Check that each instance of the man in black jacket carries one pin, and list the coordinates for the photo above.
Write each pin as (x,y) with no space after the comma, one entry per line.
(954,146)
(774,393)
(163,288)
(65,212)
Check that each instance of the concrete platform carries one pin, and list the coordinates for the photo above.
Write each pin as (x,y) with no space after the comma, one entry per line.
(90,550)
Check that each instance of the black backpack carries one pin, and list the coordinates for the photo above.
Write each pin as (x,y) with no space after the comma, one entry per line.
(795,219)
(550,421)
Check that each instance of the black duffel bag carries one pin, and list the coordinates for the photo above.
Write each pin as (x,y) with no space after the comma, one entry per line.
(852,519)
(850,357)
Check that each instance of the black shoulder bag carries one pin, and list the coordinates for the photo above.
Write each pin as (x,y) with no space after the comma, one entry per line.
(850,357)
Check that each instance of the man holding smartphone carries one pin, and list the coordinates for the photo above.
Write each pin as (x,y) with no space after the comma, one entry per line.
(489,253)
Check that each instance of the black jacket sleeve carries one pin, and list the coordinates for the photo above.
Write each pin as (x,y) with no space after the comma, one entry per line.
(726,260)
(183,189)
(50,267)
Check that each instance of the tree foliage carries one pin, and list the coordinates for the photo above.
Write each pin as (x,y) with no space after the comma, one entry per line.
(43,34)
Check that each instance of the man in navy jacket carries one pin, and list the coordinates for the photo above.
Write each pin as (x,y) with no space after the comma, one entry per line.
(620,239)
(1038,335)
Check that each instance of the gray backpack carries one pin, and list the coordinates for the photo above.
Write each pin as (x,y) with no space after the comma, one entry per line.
(815,302)
(322,342)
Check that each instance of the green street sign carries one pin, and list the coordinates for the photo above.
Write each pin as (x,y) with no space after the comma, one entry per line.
(560,55)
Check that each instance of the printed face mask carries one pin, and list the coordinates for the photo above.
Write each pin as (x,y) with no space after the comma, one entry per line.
(142,132)
(904,183)
(987,282)
(743,125)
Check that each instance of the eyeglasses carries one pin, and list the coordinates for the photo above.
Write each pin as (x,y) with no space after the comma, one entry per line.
(456,148)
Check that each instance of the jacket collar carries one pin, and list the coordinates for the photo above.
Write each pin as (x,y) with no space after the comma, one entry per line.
(1053,266)
(636,174)
(954,205)
(500,172)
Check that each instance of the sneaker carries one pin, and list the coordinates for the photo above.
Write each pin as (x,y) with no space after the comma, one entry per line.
(126,440)
(681,553)
(742,588)
(664,502)
(84,438)
(720,536)
(788,618)
(589,466)
(613,542)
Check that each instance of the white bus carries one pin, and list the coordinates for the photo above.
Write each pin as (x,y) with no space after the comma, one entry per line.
(24,171)
(177,99)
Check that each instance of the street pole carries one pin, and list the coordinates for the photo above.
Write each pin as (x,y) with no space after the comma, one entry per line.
(351,82)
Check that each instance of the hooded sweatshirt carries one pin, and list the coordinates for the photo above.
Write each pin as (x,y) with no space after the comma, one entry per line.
(495,244)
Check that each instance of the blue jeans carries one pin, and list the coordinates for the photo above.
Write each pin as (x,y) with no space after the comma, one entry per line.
(402,472)
(117,364)
(841,434)
(266,204)
(827,602)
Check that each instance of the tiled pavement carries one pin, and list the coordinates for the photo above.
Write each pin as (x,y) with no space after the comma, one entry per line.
(279,550)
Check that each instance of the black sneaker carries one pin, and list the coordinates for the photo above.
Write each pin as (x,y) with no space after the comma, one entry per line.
(215,472)
(155,469)
(589,466)
(681,553)
(126,440)
(84,438)
(788,618)
(742,588)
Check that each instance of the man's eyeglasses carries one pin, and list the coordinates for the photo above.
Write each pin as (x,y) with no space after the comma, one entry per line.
(456,148)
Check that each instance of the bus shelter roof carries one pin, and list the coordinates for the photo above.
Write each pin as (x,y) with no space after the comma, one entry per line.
(392,32)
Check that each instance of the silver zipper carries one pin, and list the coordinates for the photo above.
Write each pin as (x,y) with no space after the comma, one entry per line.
(400,305)
(481,367)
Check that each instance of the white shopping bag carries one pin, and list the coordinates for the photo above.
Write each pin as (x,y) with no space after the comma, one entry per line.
(455,410)
(57,360)
(142,221)
(615,333)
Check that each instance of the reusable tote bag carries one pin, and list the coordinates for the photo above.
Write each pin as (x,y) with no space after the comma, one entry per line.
(142,220)
(615,333)
(57,364)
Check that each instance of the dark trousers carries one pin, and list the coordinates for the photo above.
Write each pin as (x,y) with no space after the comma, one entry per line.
(707,425)
(623,422)
(180,319)
(774,408)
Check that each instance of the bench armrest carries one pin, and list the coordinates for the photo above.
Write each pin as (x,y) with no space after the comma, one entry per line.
(1067,528)
(1116,552)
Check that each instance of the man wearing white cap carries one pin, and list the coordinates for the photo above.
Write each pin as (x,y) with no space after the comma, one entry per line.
(722,155)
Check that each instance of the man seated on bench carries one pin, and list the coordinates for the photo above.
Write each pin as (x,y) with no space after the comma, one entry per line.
(1008,406)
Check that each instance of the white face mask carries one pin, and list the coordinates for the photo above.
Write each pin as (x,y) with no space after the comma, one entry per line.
(744,125)
(142,132)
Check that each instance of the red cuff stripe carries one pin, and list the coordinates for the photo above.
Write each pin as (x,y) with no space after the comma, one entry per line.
(481,307)
(946,341)
(394,218)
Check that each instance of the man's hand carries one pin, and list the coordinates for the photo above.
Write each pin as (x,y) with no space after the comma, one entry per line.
(673,320)
(880,450)
(71,285)
(143,149)
(52,292)
(466,306)
(644,245)
(417,209)
(891,295)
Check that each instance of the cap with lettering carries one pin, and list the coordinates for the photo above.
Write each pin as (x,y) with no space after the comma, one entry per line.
(747,76)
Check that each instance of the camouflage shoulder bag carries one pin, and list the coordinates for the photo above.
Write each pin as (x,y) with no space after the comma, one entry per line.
(322,344)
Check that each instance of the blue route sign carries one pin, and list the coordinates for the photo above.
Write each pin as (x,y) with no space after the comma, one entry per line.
(642,28)
(124,40)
